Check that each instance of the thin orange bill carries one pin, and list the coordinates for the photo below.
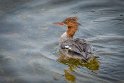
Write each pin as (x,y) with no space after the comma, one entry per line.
(59,23)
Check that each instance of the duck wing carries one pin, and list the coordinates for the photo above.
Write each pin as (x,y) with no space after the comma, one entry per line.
(78,47)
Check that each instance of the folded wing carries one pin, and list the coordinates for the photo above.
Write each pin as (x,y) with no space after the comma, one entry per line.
(79,47)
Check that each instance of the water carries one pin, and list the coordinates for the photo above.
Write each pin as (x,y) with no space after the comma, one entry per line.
(29,40)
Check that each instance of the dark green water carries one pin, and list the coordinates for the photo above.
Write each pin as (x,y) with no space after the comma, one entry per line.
(29,40)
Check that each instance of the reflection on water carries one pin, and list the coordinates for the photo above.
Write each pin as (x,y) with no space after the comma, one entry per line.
(72,63)
(68,76)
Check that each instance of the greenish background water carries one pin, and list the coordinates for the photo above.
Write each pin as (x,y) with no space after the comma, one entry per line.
(29,40)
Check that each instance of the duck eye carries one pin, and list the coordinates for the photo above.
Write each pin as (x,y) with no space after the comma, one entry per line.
(66,21)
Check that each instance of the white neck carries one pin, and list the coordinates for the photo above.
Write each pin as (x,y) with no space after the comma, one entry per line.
(64,37)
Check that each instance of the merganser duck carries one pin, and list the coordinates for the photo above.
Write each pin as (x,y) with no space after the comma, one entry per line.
(74,48)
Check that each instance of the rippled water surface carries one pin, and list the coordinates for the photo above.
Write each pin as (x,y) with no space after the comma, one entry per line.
(29,41)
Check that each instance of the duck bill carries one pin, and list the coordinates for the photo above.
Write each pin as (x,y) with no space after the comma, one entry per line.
(59,23)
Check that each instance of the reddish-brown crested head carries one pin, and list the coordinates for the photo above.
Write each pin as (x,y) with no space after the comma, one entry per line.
(72,26)
(71,21)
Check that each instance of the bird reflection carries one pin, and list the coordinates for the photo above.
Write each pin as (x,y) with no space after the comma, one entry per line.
(72,63)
